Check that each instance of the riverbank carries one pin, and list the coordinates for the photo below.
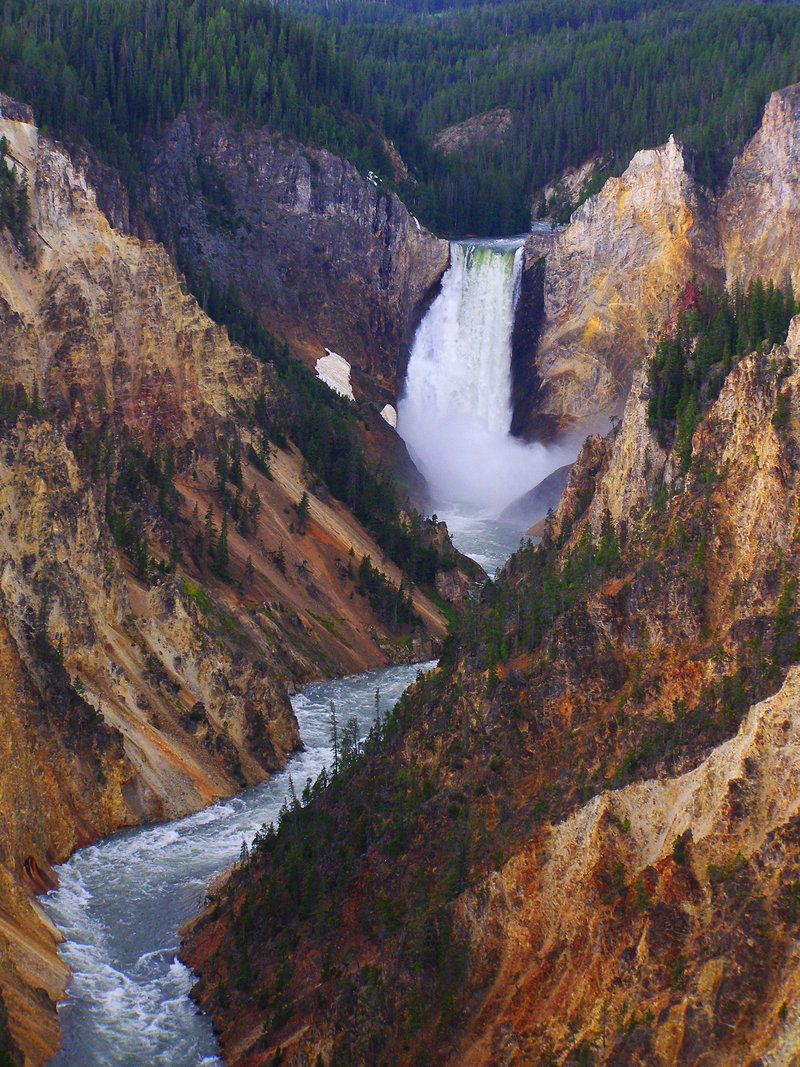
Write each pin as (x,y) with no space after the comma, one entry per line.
(121,902)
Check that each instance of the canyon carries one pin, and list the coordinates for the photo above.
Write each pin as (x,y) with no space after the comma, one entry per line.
(139,682)
(587,815)
(329,260)
(636,750)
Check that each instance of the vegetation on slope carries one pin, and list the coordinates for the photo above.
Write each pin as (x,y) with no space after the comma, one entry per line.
(579,77)
(113,72)
(14,206)
(712,331)
(322,425)
(598,659)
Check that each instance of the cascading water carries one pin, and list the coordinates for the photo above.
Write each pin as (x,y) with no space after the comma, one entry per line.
(455,412)
(461,359)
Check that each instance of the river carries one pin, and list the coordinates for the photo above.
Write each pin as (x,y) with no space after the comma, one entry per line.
(121,902)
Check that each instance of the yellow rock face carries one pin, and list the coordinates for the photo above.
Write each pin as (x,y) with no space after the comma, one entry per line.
(759,213)
(613,276)
(120,701)
(614,273)
(547,917)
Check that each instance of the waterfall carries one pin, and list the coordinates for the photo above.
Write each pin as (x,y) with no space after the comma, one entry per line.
(461,357)
(455,411)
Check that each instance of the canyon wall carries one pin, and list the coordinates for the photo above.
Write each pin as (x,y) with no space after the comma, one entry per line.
(613,275)
(599,858)
(140,680)
(324,256)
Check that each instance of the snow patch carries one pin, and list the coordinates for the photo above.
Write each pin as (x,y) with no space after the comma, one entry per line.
(334,371)
(388,414)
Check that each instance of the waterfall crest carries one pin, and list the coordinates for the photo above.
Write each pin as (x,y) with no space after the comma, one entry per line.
(455,412)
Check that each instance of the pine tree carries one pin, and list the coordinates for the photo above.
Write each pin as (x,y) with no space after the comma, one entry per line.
(280,559)
(221,556)
(208,532)
(236,468)
(302,509)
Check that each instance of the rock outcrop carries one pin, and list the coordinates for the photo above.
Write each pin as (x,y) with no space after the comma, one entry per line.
(613,274)
(678,943)
(599,858)
(491,128)
(322,255)
(611,277)
(759,212)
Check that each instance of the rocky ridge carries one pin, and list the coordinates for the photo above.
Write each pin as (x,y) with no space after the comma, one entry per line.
(613,274)
(324,256)
(599,860)
(492,128)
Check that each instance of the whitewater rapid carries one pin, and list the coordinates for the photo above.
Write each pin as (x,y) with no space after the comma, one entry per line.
(121,902)
(455,411)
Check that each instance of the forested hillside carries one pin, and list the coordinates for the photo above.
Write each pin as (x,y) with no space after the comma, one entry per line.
(540,852)
(578,77)
(111,72)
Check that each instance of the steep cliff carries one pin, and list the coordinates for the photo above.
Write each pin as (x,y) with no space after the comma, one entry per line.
(587,816)
(325,258)
(610,278)
(759,211)
(147,648)
(615,271)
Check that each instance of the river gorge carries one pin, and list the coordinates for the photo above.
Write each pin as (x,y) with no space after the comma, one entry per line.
(120,903)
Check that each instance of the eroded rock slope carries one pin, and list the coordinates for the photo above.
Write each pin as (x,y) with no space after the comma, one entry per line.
(164,581)
(320,253)
(588,814)
(614,273)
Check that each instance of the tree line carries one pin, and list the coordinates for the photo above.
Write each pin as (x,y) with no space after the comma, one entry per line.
(713,329)
(113,71)
(579,77)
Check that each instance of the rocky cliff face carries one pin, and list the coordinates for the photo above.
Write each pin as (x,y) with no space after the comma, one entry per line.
(137,683)
(613,274)
(598,859)
(324,257)
(759,212)
(611,277)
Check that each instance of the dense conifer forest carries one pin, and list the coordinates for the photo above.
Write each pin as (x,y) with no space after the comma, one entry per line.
(579,77)
(112,72)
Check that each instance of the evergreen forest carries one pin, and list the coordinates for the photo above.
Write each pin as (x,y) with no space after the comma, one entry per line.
(578,77)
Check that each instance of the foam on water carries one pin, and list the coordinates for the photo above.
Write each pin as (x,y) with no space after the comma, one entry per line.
(120,903)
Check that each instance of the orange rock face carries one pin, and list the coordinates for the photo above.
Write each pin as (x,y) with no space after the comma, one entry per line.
(619,269)
(589,852)
(130,694)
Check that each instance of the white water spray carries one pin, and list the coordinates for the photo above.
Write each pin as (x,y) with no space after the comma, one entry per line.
(455,413)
